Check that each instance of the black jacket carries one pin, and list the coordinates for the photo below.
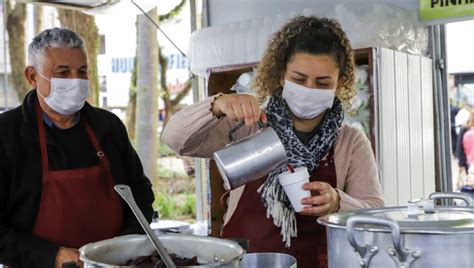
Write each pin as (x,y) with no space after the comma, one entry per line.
(20,180)
(460,154)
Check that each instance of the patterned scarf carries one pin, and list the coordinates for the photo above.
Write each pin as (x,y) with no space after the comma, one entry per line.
(299,155)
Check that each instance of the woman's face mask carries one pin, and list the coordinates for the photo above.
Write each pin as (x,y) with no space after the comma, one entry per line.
(67,96)
(307,103)
(310,83)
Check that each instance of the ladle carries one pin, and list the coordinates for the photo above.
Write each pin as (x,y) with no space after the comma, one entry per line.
(125,192)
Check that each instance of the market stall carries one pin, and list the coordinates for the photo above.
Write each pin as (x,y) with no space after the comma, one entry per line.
(395,100)
(399,106)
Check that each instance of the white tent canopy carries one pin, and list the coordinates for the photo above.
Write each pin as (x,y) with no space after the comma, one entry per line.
(99,7)
(367,23)
(73,4)
(228,11)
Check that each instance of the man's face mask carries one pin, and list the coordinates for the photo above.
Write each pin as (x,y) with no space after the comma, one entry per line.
(67,96)
(307,103)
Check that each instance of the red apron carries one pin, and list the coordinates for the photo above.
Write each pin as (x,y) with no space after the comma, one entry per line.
(249,221)
(78,206)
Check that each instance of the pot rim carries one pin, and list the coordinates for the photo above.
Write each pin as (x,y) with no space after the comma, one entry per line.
(343,216)
(165,236)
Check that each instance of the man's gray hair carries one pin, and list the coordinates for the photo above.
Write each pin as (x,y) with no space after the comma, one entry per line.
(52,38)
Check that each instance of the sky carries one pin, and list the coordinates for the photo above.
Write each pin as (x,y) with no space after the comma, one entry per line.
(460,46)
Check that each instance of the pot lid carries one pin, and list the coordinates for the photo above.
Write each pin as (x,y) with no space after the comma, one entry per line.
(436,220)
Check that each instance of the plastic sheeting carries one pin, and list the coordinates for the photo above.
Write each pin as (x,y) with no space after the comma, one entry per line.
(370,25)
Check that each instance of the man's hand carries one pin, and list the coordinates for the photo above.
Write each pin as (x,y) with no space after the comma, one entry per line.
(67,255)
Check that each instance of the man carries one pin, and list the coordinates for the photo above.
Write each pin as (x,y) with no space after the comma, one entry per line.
(59,160)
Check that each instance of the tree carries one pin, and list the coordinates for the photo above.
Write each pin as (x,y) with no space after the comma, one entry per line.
(169,104)
(38,18)
(132,101)
(147,95)
(16,44)
(173,12)
(85,26)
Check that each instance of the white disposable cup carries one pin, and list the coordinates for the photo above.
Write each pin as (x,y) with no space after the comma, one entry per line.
(293,185)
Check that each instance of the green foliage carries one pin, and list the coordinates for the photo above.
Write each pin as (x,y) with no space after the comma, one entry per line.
(173,206)
(173,13)
(164,150)
(189,207)
(165,172)
(164,205)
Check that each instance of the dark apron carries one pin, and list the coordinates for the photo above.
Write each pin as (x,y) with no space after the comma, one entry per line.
(78,206)
(249,221)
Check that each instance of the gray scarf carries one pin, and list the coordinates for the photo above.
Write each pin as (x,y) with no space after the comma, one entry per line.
(299,155)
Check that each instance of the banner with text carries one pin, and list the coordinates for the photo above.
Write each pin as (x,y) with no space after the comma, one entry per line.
(443,11)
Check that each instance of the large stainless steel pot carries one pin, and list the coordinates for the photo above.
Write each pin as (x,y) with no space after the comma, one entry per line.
(113,252)
(416,236)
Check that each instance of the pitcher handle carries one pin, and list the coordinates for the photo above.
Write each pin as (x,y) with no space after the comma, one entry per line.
(241,124)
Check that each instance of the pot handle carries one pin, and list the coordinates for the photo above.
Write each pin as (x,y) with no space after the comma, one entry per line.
(452,195)
(241,124)
(401,256)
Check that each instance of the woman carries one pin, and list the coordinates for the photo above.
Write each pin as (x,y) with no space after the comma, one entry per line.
(463,163)
(468,143)
(307,72)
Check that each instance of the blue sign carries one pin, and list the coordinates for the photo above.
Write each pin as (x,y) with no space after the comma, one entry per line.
(122,65)
(177,61)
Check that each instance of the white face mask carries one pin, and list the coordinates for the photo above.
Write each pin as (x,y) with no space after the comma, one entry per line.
(67,96)
(307,103)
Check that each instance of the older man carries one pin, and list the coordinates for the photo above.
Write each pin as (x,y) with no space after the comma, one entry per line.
(59,160)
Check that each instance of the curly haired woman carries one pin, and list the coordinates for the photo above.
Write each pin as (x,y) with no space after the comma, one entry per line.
(307,72)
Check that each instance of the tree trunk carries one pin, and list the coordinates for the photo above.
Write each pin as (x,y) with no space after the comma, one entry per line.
(85,26)
(147,95)
(168,111)
(16,45)
(132,96)
(131,107)
(132,102)
(38,17)
(170,104)
(131,115)
(165,95)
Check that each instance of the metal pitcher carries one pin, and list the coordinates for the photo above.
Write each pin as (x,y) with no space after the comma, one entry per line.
(250,158)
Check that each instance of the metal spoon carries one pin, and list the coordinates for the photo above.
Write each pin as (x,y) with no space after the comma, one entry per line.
(125,192)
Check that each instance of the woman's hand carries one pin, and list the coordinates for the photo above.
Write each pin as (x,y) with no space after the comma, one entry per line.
(239,107)
(324,199)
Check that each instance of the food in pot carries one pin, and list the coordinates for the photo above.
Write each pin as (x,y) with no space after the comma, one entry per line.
(154,260)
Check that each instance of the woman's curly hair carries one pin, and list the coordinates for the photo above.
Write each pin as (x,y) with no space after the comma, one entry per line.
(316,36)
